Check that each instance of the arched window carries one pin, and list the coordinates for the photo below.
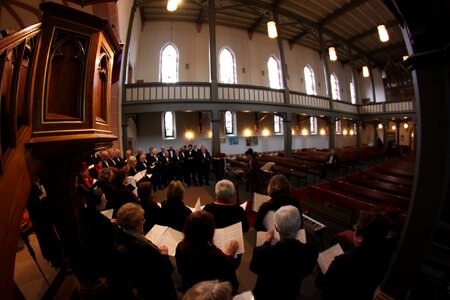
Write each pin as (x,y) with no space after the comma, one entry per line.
(310,81)
(168,120)
(352,92)
(277,124)
(274,73)
(229,128)
(338,127)
(335,94)
(313,123)
(227,66)
(169,64)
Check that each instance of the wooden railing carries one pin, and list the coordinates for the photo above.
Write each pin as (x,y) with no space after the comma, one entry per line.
(201,91)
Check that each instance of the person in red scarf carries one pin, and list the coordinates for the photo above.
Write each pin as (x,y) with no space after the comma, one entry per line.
(84,180)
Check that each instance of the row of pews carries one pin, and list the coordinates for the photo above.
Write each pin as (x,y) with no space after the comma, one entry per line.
(386,186)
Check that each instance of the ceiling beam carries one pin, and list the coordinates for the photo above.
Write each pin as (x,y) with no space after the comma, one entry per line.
(201,16)
(341,11)
(372,31)
(278,3)
(256,25)
(301,35)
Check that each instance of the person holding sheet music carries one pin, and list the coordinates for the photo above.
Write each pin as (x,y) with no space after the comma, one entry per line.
(173,210)
(279,190)
(99,236)
(198,259)
(282,267)
(94,172)
(151,208)
(140,266)
(84,180)
(122,193)
(142,164)
(357,273)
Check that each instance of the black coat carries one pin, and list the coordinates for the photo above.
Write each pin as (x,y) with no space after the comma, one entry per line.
(281,268)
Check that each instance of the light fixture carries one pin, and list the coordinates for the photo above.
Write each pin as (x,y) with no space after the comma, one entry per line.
(247,132)
(272,29)
(412,134)
(210,134)
(344,132)
(265,132)
(304,131)
(332,53)
(380,126)
(189,135)
(405,125)
(172,5)
(394,127)
(322,131)
(405,57)
(292,131)
(365,71)
(352,132)
(383,34)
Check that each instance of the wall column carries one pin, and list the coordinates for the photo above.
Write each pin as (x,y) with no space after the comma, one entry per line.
(326,70)
(358,134)
(331,131)
(212,49)
(287,129)
(215,129)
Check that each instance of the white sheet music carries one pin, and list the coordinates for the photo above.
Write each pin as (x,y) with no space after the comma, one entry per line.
(258,200)
(326,257)
(223,236)
(139,175)
(198,206)
(244,205)
(108,213)
(165,236)
(244,296)
(261,237)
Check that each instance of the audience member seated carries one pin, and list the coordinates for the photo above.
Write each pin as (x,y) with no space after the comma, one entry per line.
(224,210)
(278,190)
(357,273)
(151,208)
(122,193)
(173,211)
(209,290)
(198,259)
(142,270)
(282,267)
(331,163)
(99,236)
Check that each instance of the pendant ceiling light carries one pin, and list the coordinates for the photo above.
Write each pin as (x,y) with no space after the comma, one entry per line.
(365,71)
(382,32)
(272,29)
(332,53)
(172,5)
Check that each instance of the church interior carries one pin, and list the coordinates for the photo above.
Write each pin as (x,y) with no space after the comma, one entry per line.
(349,100)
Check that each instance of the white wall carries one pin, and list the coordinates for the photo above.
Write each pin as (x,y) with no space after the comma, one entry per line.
(251,55)
(133,50)
(365,86)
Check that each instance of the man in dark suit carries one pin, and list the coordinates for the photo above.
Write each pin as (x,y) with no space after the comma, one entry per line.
(142,164)
(331,163)
(112,158)
(183,164)
(132,162)
(163,160)
(105,159)
(153,168)
(204,162)
(191,158)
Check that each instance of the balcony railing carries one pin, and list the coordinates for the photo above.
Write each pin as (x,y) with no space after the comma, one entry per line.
(201,91)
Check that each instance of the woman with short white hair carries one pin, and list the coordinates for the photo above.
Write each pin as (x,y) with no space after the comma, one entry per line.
(281,267)
(209,290)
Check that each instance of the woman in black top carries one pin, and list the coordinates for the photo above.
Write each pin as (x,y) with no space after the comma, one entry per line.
(198,259)
(173,211)
(152,210)
(278,190)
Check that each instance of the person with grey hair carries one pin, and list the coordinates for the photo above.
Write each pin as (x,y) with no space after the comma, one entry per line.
(282,267)
(209,290)
(224,210)
(132,162)
(142,267)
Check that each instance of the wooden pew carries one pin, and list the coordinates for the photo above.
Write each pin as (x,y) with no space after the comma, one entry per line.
(379,185)
(407,182)
(349,204)
(395,172)
(372,195)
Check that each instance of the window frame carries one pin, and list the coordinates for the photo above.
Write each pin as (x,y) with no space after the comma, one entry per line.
(312,77)
(338,125)
(352,92)
(313,125)
(334,81)
(279,80)
(233,58)
(177,63)
(279,120)
(233,123)
(163,126)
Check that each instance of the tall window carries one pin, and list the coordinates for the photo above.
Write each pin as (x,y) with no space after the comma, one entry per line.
(313,125)
(352,92)
(355,128)
(277,124)
(169,64)
(229,128)
(310,81)
(335,94)
(168,119)
(227,66)
(274,73)
(338,127)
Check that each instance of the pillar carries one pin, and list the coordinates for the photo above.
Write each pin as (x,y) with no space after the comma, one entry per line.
(331,132)
(212,49)
(215,130)
(287,129)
